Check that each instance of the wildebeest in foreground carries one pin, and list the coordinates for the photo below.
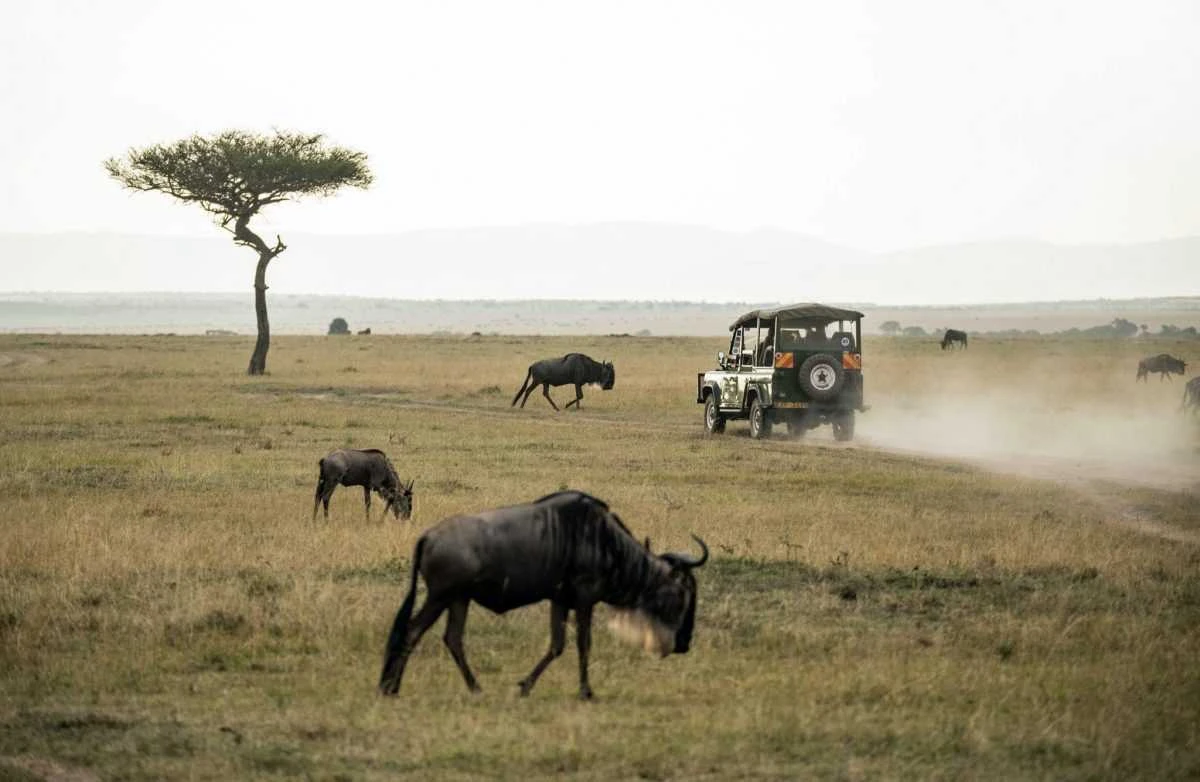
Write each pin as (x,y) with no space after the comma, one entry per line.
(568,548)
(373,471)
(954,335)
(573,368)
(1191,395)
(1164,364)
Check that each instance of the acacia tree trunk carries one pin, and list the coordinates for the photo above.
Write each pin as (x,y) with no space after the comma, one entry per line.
(258,359)
(243,235)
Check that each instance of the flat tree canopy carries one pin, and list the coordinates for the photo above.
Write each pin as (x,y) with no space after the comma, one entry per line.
(233,175)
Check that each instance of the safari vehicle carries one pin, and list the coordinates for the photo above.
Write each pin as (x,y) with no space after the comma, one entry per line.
(798,365)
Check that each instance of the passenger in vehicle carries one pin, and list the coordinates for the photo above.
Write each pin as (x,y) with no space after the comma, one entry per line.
(766,351)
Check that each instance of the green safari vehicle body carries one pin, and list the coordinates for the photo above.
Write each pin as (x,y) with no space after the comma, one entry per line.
(799,365)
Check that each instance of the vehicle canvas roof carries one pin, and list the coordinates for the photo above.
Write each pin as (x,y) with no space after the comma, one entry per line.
(797,311)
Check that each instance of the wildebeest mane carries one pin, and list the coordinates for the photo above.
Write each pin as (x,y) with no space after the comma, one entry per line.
(611,543)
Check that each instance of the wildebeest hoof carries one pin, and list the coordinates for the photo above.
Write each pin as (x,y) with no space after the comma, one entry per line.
(585,695)
(525,688)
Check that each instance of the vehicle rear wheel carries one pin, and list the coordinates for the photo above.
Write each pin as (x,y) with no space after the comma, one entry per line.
(821,377)
(714,422)
(843,426)
(760,425)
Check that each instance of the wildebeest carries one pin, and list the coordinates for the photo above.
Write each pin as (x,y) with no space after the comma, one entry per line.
(954,335)
(373,471)
(573,368)
(568,548)
(1191,395)
(1164,364)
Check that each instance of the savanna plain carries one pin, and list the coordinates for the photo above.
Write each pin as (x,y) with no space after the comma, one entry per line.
(998,579)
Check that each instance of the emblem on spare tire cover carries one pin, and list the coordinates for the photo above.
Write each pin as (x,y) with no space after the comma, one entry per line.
(821,376)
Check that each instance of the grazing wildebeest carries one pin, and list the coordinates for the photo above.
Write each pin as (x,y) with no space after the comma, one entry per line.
(1164,364)
(573,368)
(954,335)
(568,548)
(370,469)
(1191,395)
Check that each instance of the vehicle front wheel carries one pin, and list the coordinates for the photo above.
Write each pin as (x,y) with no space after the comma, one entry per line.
(760,425)
(714,422)
(843,426)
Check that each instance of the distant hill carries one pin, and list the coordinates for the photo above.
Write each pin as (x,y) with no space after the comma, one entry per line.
(606,261)
(196,313)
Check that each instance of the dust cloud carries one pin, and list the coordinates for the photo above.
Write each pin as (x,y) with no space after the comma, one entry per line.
(1016,430)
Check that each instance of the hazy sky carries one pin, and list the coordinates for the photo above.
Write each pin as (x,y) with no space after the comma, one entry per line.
(876,124)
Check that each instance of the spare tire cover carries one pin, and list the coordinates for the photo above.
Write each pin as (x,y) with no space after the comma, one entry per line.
(821,376)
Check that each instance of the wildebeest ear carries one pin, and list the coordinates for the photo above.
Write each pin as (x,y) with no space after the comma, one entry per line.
(647,543)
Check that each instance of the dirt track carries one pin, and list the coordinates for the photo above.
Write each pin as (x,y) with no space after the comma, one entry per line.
(1099,476)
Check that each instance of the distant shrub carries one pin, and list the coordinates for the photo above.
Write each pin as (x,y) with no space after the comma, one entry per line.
(339,326)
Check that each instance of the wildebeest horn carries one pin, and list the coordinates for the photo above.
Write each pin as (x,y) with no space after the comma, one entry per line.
(687,560)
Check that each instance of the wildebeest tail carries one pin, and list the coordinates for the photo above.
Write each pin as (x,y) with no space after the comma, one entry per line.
(320,486)
(320,475)
(521,390)
(399,634)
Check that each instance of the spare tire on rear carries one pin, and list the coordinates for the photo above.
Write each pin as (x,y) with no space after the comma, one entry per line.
(821,377)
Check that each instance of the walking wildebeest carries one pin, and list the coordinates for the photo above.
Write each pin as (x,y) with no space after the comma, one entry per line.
(1191,395)
(573,368)
(568,548)
(368,468)
(954,335)
(1164,364)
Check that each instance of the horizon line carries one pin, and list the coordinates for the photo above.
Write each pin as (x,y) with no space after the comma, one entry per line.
(699,302)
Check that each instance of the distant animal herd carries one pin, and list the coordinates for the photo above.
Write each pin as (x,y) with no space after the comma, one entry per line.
(568,548)
(1163,364)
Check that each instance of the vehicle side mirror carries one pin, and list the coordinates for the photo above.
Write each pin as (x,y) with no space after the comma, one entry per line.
(721,359)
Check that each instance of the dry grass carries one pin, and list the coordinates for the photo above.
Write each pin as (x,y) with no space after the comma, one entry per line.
(956,595)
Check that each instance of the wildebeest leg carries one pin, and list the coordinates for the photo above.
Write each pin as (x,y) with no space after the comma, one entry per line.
(558,640)
(456,622)
(578,396)
(583,641)
(546,393)
(367,501)
(528,375)
(528,391)
(394,669)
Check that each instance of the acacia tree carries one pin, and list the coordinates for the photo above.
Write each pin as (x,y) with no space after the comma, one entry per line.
(232,176)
